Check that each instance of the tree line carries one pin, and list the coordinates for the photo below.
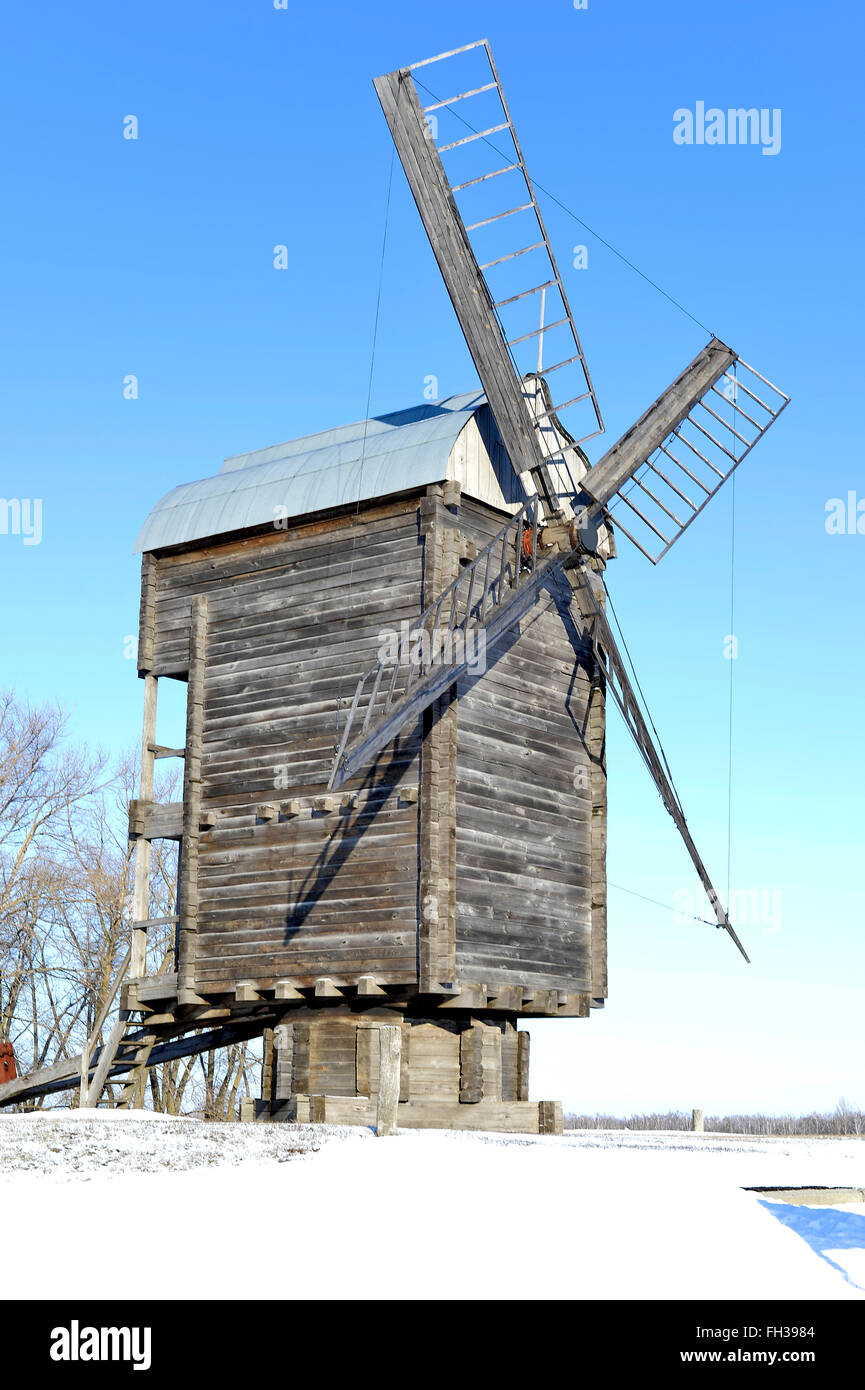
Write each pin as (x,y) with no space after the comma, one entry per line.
(845,1119)
(65,909)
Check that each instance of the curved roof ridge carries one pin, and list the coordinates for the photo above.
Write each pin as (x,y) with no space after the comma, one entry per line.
(391,453)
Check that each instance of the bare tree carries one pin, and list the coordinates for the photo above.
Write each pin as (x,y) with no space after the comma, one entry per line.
(65,907)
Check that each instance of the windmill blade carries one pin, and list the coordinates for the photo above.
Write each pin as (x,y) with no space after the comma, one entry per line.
(619,686)
(490,596)
(686,445)
(491,308)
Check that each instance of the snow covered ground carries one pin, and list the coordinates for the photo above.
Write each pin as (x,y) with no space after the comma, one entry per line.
(596,1215)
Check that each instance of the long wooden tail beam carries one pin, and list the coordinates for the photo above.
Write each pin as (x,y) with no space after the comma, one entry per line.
(64,1075)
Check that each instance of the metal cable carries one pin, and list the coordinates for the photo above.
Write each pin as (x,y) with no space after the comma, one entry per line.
(570,213)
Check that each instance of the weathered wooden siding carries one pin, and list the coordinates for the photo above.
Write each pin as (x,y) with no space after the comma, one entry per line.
(524,801)
(293,619)
(493,875)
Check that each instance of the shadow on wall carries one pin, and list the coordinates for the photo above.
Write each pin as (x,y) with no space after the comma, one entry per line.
(830,1234)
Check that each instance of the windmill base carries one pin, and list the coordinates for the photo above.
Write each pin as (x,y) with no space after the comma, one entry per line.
(508,1117)
(468,1072)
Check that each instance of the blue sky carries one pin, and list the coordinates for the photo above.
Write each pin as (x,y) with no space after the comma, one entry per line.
(154,257)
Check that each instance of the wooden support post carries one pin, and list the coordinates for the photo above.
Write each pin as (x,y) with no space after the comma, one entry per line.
(267,1066)
(596,741)
(90,1044)
(283,1062)
(390,1051)
(523,1041)
(135,1081)
(437,810)
(141,880)
(106,1059)
(550,1118)
(188,926)
(471,1064)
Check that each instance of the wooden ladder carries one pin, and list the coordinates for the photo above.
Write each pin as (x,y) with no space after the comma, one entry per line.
(489,597)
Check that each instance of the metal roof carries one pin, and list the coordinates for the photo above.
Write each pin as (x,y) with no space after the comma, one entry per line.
(372,458)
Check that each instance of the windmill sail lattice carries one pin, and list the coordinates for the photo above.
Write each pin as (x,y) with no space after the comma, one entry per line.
(660,475)
(493,251)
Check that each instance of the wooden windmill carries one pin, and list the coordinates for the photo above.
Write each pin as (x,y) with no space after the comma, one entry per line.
(398,659)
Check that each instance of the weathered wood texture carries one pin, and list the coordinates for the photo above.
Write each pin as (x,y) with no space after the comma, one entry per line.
(491,876)
(147,614)
(508,1117)
(597,748)
(437,940)
(190,899)
(462,1061)
(294,617)
(387,1104)
(141,879)
(524,798)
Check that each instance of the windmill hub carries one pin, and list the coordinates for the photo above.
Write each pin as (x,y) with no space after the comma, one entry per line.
(576,536)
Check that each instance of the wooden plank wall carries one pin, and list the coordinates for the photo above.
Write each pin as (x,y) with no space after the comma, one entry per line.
(293,619)
(461,1061)
(597,743)
(438,765)
(524,830)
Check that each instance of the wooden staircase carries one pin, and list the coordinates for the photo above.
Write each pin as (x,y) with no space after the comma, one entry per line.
(483,603)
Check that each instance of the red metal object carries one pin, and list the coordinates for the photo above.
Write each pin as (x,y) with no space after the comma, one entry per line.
(8,1071)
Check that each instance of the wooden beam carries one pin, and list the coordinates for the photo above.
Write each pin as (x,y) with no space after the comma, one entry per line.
(387,1106)
(147,614)
(189,899)
(97,1027)
(523,1045)
(367,986)
(465,283)
(153,820)
(471,1065)
(141,879)
(470,997)
(508,998)
(247,993)
(639,442)
(64,1074)
(284,989)
(550,1118)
